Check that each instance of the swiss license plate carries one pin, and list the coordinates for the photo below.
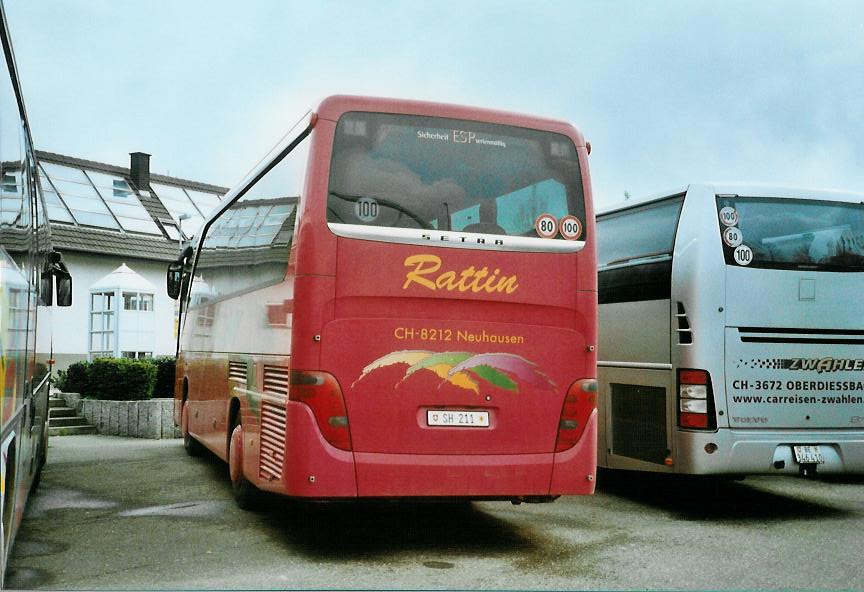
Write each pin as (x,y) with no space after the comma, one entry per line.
(455,418)
(808,455)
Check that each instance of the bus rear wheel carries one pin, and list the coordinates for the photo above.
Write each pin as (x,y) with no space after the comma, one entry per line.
(241,488)
(190,444)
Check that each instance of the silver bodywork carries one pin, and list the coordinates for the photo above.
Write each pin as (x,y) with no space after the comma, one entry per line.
(748,325)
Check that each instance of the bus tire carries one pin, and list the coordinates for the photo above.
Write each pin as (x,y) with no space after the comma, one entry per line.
(190,444)
(243,491)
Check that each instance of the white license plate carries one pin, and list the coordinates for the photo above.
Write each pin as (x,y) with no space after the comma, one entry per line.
(454,418)
(808,455)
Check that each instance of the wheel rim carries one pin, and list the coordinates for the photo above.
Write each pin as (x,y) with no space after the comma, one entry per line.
(235,456)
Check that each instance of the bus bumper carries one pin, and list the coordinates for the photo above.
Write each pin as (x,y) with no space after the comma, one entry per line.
(575,469)
(312,467)
(315,469)
(749,452)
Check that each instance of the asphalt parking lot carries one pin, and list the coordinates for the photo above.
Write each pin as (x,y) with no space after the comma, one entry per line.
(122,513)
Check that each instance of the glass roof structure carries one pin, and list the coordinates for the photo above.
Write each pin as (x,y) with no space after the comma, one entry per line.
(178,203)
(123,202)
(78,195)
(254,225)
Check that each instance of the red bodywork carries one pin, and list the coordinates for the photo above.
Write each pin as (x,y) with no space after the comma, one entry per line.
(347,305)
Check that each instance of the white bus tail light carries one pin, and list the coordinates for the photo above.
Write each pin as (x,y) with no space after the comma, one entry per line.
(580,401)
(695,400)
(321,392)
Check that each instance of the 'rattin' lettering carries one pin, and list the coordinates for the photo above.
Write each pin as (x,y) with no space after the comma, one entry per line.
(425,269)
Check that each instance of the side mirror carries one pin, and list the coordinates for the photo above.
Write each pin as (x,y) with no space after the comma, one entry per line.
(64,286)
(55,270)
(176,270)
(46,286)
(174,279)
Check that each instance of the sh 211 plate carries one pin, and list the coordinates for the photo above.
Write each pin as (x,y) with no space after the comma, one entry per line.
(457,419)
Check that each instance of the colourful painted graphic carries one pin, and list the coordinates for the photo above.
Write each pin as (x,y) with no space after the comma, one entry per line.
(466,370)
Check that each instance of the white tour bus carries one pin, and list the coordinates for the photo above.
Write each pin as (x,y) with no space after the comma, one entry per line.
(732,332)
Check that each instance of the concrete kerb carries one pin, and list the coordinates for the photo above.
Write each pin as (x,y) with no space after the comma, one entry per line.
(153,427)
(73,400)
(152,418)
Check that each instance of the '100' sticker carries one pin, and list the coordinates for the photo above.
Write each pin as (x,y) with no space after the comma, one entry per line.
(743,255)
(729,216)
(570,227)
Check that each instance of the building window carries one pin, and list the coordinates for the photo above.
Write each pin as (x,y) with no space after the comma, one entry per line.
(9,183)
(121,189)
(102,324)
(137,355)
(137,301)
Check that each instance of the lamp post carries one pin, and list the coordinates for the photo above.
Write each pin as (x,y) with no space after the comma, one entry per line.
(180,219)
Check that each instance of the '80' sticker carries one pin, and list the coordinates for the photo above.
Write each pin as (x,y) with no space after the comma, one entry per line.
(546,226)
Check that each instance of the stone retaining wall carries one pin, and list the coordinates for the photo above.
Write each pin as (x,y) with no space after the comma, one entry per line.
(153,418)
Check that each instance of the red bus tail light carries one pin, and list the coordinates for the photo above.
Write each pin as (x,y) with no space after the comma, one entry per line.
(580,401)
(321,392)
(695,400)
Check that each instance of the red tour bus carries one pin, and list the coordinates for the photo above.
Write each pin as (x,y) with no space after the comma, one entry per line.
(399,301)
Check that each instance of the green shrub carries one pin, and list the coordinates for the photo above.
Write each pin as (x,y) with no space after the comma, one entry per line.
(59,380)
(120,379)
(76,378)
(165,368)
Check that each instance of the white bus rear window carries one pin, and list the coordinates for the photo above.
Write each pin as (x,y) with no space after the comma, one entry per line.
(780,233)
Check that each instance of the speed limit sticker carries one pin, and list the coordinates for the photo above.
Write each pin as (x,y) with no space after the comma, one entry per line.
(571,227)
(546,226)
(366,209)
(732,236)
(729,216)
(743,255)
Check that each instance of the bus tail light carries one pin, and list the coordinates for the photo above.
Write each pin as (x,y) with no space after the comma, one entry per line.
(695,400)
(580,401)
(321,392)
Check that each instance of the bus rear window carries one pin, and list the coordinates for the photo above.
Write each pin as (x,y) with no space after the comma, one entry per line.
(404,171)
(803,234)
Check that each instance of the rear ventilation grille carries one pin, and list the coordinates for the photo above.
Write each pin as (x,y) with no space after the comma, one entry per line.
(276,380)
(272,452)
(685,334)
(237,371)
(639,422)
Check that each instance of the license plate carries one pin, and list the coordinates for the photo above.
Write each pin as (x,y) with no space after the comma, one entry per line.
(808,455)
(454,418)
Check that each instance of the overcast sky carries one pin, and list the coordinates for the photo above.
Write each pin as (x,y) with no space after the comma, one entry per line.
(667,92)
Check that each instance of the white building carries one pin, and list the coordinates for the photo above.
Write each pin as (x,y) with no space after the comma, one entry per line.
(118,229)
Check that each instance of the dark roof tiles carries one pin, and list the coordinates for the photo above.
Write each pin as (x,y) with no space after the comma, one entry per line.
(91,240)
